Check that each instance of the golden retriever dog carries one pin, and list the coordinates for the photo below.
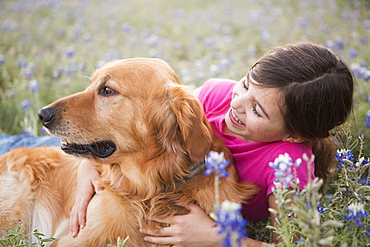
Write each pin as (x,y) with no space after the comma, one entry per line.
(147,135)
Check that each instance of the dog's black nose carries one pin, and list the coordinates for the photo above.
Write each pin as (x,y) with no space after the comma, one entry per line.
(46,116)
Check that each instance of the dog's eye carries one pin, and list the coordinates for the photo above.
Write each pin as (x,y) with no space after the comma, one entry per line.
(106,91)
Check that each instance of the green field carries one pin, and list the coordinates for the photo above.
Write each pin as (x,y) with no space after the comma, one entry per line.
(49,48)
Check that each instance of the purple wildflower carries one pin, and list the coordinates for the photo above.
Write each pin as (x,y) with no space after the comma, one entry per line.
(343,155)
(367,23)
(87,38)
(34,86)
(367,76)
(356,213)
(26,104)
(363,40)
(232,224)
(28,72)
(353,53)
(299,241)
(367,119)
(21,63)
(216,163)
(28,132)
(320,209)
(70,52)
(283,169)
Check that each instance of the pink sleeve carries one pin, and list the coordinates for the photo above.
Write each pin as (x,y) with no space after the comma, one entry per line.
(215,94)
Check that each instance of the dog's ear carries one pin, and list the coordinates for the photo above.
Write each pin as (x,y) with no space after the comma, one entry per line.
(195,129)
(179,123)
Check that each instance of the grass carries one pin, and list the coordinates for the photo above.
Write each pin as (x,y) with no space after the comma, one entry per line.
(48,48)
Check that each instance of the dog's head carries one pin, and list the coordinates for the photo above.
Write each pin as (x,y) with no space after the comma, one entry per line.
(131,106)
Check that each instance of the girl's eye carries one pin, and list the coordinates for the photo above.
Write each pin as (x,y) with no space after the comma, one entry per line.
(255,111)
(106,91)
(243,82)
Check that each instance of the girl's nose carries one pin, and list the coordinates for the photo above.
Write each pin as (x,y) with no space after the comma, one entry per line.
(238,103)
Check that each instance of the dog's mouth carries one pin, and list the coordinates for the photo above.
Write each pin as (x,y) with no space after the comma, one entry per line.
(101,149)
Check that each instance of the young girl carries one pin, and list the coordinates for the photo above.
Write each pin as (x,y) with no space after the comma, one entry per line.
(287,103)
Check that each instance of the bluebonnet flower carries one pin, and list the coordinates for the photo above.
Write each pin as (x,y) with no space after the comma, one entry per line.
(299,241)
(232,224)
(367,76)
(70,52)
(215,162)
(56,74)
(208,41)
(87,38)
(340,44)
(363,40)
(224,64)
(320,209)
(352,53)
(28,72)
(2,59)
(34,86)
(72,68)
(127,28)
(153,40)
(363,63)
(330,45)
(28,131)
(356,213)
(342,155)
(12,94)
(21,62)
(356,69)
(364,181)
(26,104)
(367,23)
(367,119)
(283,168)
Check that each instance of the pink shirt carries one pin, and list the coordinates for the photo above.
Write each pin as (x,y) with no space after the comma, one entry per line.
(251,159)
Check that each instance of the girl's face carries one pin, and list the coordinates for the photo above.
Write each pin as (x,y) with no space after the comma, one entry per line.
(255,114)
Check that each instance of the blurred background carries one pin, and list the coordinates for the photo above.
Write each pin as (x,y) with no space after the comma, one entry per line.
(48,48)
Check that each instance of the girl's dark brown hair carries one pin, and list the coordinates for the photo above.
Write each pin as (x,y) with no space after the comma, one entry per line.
(317,94)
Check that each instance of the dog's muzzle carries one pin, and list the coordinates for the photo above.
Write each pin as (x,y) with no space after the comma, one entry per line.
(100,149)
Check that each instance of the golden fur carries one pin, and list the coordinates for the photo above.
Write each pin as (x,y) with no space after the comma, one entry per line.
(144,130)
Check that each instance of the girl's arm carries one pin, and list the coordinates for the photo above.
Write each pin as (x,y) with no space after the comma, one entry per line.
(87,185)
(196,229)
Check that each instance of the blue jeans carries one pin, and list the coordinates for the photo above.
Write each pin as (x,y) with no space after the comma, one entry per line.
(8,142)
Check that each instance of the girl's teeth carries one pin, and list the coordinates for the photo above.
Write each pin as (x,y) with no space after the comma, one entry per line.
(237,119)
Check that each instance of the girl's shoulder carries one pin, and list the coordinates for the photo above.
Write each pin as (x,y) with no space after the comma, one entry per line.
(216,94)
(294,150)
(215,86)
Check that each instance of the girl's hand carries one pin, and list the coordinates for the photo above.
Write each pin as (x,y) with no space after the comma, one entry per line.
(87,185)
(193,229)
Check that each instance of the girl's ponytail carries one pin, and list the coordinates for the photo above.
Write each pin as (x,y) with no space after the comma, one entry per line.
(324,151)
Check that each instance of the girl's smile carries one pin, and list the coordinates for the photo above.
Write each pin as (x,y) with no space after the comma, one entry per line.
(235,119)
